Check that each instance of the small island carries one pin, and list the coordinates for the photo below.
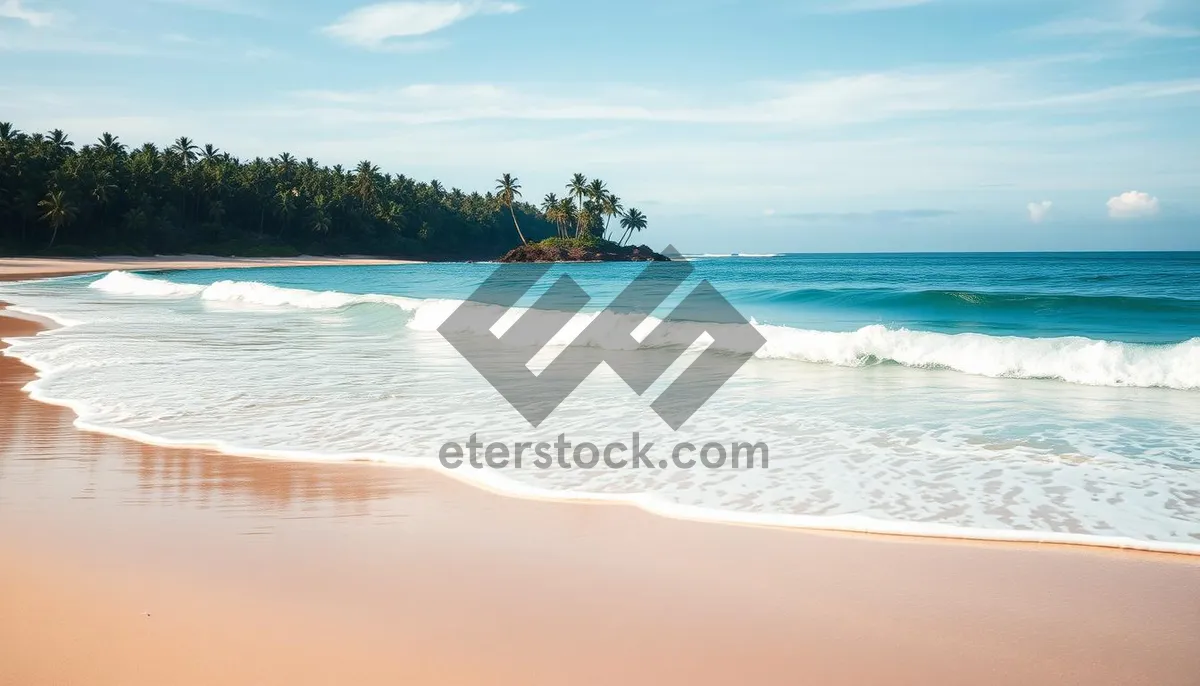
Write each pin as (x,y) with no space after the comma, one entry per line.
(582,229)
(586,249)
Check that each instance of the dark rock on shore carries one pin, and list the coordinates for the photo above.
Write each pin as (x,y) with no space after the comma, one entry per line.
(575,251)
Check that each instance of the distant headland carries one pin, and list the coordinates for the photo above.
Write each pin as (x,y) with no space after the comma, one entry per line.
(59,199)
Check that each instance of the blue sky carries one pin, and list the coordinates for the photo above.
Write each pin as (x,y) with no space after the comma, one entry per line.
(754,126)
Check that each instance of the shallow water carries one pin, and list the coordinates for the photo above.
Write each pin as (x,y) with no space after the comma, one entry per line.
(1041,397)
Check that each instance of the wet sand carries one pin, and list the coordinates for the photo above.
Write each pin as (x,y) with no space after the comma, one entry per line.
(34,267)
(128,564)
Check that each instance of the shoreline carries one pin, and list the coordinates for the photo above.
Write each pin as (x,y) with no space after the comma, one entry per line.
(242,570)
(844,525)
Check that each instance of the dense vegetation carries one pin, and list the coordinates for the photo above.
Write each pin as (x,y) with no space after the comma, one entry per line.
(105,198)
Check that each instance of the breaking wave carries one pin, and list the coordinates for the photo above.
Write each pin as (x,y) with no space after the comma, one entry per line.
(1072,359)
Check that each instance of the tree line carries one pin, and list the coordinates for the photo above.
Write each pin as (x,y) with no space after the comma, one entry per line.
(108,198)
(589,208)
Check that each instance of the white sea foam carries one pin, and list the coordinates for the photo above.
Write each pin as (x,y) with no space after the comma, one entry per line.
(1070,359)
(124,283)
(245,292)
(879,448)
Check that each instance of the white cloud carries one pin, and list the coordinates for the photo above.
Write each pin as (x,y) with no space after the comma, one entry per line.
(374,26)
(12,9)
(1132,205)
(824,102)
(1039,210)
(1133,18)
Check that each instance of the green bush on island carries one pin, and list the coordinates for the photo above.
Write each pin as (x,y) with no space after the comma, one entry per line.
(580,249)
(587,241)
(107,198)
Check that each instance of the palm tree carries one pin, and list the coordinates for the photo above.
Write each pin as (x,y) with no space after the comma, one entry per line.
(631,221)
(320,218)
(566,210)
(8,132)
(596,191)
(210,153)
(286,164)
(578,187)
(59,140)
(612,207)
(509,190)
(58,212)
(103,191)
(186,149)
(551,211)
(286,205)
(109,144)
(364,181)
(584,219)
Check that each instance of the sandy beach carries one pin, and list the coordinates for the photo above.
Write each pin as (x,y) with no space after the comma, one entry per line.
(35,267)
(122,563)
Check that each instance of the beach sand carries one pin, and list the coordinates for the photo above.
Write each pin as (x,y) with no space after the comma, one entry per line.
(122,563)
(33,267)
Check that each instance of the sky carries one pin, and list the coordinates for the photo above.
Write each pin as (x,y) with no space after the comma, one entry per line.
(734,125)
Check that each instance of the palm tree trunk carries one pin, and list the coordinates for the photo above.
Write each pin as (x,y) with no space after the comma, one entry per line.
(514,216)
(53,235)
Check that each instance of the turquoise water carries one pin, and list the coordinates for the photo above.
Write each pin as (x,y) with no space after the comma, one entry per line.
(1027,396)
(1134,297)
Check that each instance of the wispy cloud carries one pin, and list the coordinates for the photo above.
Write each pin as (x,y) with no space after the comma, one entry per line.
(13,9)
(816,103)
(65,43)
(246,8)
(376,26)
(852,6)
(1130,18)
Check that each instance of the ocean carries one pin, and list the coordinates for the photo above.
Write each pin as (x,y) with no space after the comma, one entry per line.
(1034,397)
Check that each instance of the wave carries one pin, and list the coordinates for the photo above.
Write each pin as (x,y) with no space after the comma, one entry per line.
(944,300)
(247,292)
(1070,359)
(124,283)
